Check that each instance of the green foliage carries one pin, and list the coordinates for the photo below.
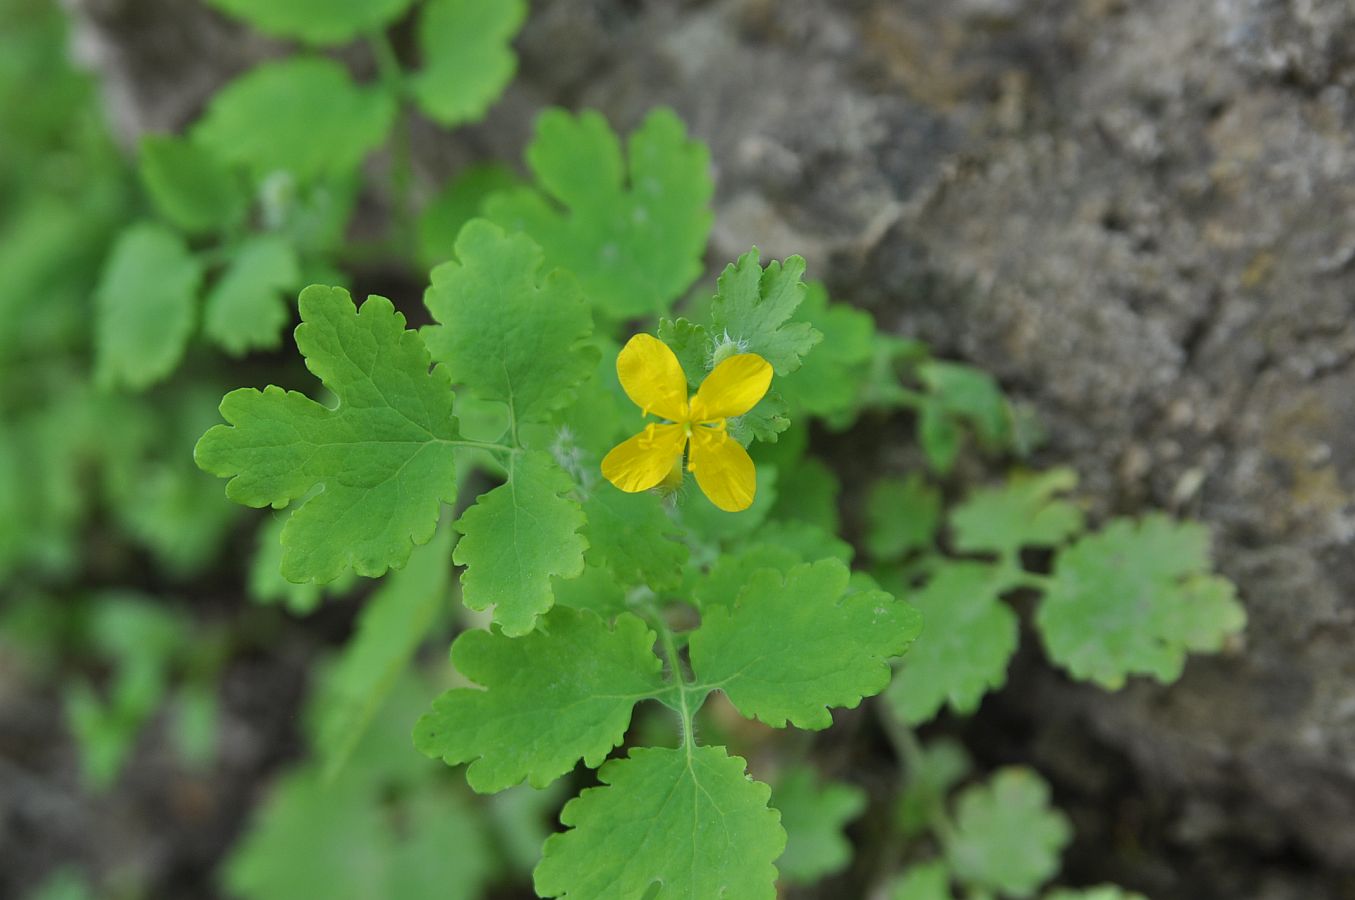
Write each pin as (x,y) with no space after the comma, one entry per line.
(1007,838)
(145,307)
(558,695)
(814,812)
(752,311)
(634,539)
(1102,892)
(467,61)
(969,640)
(457,203)
(928,881)
(690,819)
(1023,512)
(384,456)
(830,647)
(316,21)
(1134,599)
(245,309)
(302,115)
(933,772)
(902,516)
(958,395)
(632,229)
(189,186)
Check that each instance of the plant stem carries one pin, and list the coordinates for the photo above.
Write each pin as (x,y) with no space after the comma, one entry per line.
(909,751)
(686,708)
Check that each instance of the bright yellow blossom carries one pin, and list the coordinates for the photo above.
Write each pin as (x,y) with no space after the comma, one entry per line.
(653,379)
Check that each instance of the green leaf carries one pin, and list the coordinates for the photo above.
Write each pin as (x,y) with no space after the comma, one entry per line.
(763,422)
(960,394)
(633,231)
(753,307)
(729,573)
(812,497)
(392,625)
(691,345)
(467,57)
(383,457)
(266,584)
(814,812)
(457,203)
(517,538)
(1021,512)
(1134,599)
(189,186)
(829,382)
(144,307)
(939,767)
(246,309)
(595,589)
(969,639)
(689,819)
(316,21)
(505,332)
(925,881)
(901,516)
(633,536)
(1007,837)
(829,648)
(705,520)
(302,115)
(557,695)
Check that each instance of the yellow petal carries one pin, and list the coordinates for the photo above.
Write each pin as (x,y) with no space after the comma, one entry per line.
(641,462)
(735,387)
(652,377)
(723,469)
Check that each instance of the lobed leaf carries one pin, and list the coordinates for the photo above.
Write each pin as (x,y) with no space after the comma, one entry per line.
(316,21)
(189,186)
(1007,837)
(383,457)
(504,331)
(829,382)
(830,647)
(632,536)
(690,820)
(557,695)
(517,538)
(902,515)
(963,654)
(246,310)
(1021,512)
(814,812)
(1135,598)
(753,308)
(633,230)
(467,57)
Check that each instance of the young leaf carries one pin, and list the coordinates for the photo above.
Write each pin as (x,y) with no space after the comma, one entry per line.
(1007,837)
(1134,599)
(829,647)
(316,21)
(467,60)
(548,699)
(245,310)
(970,637)
(144,307)
(960,394)
(392,625)
(188,185)
(517,538)
(632,536)
(814,812)
(506,332)
(692,345)
(689,819)
(634,234)
(383,457)
(901,516)
(926,881)
(302,115)
(752,310)
(1021,512)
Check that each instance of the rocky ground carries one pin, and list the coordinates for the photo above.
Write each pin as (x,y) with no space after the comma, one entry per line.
(1140,216)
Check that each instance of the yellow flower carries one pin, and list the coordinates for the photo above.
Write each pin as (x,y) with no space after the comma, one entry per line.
(653,379)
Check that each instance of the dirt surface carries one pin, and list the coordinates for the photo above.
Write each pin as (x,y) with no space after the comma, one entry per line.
(1140,216)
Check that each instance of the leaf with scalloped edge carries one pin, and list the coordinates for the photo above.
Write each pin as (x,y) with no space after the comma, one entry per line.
(829,382)
(246,310)
(632,229)
(1007,837)
(560,694)
(383,456)
(633,537)
(963,654)
(902,515)
(517,538)
(753,307)
(689,819)
(814,812)
(830,647)
(508,331)
(1134,599)
(1023,511)
(467,56)
(316,21)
